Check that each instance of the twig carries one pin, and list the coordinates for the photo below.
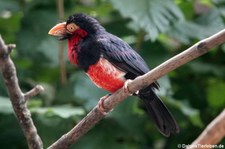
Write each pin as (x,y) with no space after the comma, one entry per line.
(60,8)
(212,135)
(17,98)
(94,115)
(33,92)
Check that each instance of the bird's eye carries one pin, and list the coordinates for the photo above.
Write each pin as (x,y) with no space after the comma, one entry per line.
(71,27)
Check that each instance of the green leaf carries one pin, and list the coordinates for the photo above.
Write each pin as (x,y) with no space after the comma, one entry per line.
(204,68)
(206,25)
(65,111)
(86,91)
(108,134)
(33,39)
(165,87)
(49,47)
(129,112)
(192,114)
(49,93)
(103,9)
(223,48)
(216,93)
(154,16)
(9,5)
(9,26)
(5,105)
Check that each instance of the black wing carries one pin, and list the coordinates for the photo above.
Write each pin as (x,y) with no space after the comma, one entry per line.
(122,55)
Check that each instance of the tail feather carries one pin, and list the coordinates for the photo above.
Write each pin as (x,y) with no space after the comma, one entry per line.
(163,119)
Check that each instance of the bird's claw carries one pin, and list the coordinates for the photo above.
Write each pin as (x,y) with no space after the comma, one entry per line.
(126,89)
(101,107)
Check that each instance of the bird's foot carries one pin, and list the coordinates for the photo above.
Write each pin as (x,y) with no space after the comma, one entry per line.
(126,89)
(101,107)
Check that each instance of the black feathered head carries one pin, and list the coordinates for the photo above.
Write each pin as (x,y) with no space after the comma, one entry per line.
(85,22)
(76,22)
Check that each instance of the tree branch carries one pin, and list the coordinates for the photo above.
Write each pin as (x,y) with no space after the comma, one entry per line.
(63,77)
(18,99)
(33,92)
(140,82)
(212,134)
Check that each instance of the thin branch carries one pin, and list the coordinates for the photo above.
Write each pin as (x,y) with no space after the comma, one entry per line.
(33,92)
(17,98)
(60,8)
(212,135)
(140,82)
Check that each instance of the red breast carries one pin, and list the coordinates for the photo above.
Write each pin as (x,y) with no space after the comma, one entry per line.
(73,47)
(106,76)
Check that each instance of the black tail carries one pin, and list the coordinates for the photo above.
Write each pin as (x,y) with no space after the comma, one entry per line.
(158,112)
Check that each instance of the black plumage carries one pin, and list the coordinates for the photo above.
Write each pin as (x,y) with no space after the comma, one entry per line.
(99,43)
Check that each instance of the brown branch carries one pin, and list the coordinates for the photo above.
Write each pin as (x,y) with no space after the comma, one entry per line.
(60,8)
(212,134)
(17,98)
(94,115)
(33,92)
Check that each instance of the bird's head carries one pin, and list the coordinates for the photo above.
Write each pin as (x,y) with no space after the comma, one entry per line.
(76,25)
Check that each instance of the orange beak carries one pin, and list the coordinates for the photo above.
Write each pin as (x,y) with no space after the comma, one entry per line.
(59,30)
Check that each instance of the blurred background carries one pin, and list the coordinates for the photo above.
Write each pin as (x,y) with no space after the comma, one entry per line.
(157,29)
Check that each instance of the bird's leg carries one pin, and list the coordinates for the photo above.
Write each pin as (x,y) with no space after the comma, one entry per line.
(126,89)
(101,107)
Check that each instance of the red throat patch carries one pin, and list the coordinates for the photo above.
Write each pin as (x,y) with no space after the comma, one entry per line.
(106,76)
(73,47)
(72,54)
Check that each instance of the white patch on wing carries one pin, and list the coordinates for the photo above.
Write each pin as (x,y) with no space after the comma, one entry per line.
(110,69)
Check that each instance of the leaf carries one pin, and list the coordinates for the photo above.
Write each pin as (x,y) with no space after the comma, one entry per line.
(86,91)
(5,105)
(191,113)
(9,26)
(33,39)
(204,26)
(49,93)
(154,16)
(216,93)
(204,68)
(49,47)
(9,5)
(103,9)
(166,92)
(165,86)
(223,48)
(108,134)
(129,112)
(65,111)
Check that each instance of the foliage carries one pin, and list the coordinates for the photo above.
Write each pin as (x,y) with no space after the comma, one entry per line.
(155,16)
(194,93)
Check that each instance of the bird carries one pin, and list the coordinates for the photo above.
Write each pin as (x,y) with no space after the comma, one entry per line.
(111,64)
